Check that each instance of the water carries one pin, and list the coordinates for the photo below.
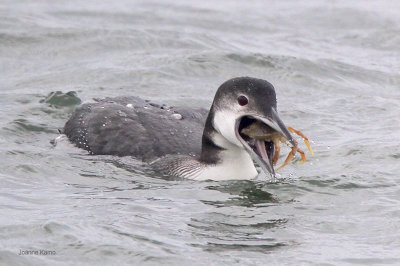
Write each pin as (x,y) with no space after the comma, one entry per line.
(336,69)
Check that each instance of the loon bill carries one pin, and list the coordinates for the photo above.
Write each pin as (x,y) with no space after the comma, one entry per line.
(183,141)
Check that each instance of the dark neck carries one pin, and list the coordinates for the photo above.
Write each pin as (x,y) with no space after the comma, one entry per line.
(209,150)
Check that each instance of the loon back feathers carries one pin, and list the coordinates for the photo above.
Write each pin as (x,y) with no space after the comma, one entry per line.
(130,126)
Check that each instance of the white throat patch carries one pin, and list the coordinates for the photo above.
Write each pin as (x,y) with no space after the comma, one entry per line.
(224,123)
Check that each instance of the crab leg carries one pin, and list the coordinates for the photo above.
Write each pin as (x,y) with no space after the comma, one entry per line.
(289,157)
(303,136)
(276,153)
(303,156)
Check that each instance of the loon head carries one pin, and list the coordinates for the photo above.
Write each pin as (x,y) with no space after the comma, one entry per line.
(238,103)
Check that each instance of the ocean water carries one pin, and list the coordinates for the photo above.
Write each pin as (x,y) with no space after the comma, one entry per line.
(336,69)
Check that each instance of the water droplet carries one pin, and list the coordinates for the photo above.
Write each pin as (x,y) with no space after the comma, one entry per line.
(122,114)
(177,116)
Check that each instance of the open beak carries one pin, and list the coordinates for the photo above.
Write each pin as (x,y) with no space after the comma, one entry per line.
(262,150)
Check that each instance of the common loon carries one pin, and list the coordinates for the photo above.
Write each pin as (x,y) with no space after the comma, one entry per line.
(183,141)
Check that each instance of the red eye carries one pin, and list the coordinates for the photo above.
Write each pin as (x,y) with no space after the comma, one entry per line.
(242,100)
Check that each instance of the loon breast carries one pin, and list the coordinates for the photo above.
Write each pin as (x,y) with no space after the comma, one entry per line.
(130,126)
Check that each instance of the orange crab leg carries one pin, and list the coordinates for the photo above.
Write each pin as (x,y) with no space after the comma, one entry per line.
(276,153)
(303,136)
(288,158)
(303,156)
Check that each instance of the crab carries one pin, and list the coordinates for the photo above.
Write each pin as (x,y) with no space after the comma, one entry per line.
(258,130)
